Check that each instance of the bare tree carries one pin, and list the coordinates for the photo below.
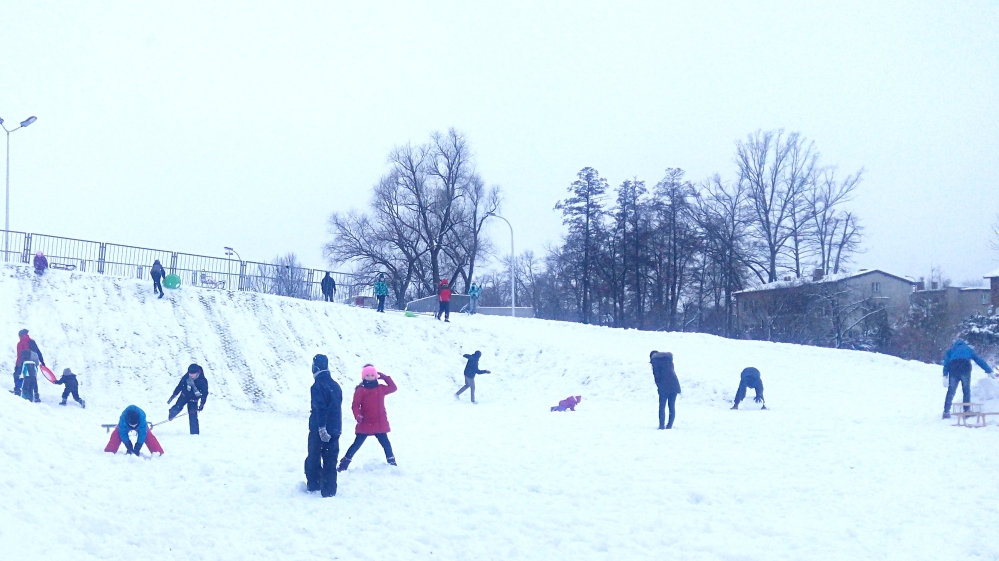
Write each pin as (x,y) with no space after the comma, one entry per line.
(774,170)
(832,230)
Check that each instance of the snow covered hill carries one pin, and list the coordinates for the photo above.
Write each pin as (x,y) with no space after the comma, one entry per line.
(852,460)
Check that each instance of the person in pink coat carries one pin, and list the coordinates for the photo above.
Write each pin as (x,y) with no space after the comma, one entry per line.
(568,404)
(369,411)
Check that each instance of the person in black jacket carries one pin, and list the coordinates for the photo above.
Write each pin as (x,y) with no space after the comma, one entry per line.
(72,387)
(193,391)
(471,369)
(667,384)
(157,273)
(328,287)
(325,425)
(750,378)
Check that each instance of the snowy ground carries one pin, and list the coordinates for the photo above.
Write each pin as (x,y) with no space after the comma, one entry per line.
(851,462)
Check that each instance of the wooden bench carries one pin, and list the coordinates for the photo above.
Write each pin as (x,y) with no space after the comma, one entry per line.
(974,412)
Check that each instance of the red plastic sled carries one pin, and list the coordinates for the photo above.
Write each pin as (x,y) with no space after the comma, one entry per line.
(115,442)
(48,373)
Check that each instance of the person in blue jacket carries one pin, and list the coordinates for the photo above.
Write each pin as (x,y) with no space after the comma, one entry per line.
(132,419)
(473,298)
(957,367)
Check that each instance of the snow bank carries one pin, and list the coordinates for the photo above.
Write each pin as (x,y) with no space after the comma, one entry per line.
(852,461)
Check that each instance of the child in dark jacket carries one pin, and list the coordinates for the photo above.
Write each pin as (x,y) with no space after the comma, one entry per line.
(72,387)
(750,378)
(29,376)
(471,369)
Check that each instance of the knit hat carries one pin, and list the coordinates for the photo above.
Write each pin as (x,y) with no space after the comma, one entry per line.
(319,364)
(368,369)
(67,372)
(22,333)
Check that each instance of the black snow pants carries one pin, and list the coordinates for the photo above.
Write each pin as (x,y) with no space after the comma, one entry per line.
(744,385)
(359,440)
(320,464)
(192,414)
(445,310)
(75,392)
(381,303)
(157,287)
(666,398)
(29,388)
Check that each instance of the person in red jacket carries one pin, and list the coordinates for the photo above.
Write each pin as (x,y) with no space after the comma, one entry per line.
(369,411)
(24,343)
(444,295)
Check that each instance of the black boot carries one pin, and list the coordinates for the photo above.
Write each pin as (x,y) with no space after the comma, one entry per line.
(391,461)
(83,404)
(736,406)
(344,463)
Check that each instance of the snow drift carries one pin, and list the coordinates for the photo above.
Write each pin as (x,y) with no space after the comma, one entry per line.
(852,460)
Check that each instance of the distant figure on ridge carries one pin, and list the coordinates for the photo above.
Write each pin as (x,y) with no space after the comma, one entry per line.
(957,367)
(157,273)
(471,369)
(72,387)
(750,378)
(41,263)
(328,287)
(369,412)
(325,426)
(473,298)
(444,297)
(24,342)
(193,392)
(381,291)
(668,385)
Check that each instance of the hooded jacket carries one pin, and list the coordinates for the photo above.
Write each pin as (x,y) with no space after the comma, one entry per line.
(960,350)
(474,292)
(327,400)
(381,288)
(444,292)
(157,271)
(369,407)
(72,384)
(140,430)
(664,373)
(472,366)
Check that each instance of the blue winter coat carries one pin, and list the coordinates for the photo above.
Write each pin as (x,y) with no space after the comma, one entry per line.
(474,292)
(381,289)
(961,350)
(140,430)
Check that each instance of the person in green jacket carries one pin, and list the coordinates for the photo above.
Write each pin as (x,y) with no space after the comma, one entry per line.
(381,291)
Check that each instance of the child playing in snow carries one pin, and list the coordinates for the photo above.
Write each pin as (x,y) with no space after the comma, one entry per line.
(750,378)
(369,411)
(132,419)
(29,376)
(471,369)
(72,387)
(568,403)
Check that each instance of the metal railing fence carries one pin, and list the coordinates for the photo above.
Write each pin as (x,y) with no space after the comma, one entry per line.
(201,271)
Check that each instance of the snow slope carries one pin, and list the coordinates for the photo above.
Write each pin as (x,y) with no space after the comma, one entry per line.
(851,462)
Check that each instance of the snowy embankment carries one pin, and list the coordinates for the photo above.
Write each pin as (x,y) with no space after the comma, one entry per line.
(851,462)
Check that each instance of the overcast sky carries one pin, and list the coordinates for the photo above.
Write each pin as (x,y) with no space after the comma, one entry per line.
(190,126)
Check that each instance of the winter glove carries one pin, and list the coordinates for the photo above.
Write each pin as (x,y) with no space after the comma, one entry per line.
(758,399)
(128,447)
(171,399)
(323,435)
(137,449)
(201,407)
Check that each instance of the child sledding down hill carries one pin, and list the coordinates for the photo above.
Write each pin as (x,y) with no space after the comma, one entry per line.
(568,403)
(369,411)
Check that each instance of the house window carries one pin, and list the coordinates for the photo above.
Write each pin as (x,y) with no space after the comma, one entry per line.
(985,298)
(875,287)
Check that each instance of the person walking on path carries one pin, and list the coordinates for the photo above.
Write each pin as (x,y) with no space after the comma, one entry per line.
(667,384)
(444,297)
(324,430)
(369,412)
(41,263)
(193,392)
(157,273)
(72,387)
(471,369)
(328,287)
(473,298)
(381,291)
(750,378)
(24,343)
(132,419)
(957,368)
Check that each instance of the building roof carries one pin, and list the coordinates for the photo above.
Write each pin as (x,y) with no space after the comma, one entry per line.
(993,274)
(803,281)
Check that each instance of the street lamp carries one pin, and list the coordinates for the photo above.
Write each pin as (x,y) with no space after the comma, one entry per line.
(229,252)
(513,286)
(6,220)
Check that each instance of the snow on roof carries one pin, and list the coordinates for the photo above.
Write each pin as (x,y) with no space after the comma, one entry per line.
(993,274)
(826,279)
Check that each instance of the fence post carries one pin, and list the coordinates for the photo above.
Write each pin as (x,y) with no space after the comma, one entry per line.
(173,263)
(312,273)
(100,258)
(26,256)
(242,275)
(139,271)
